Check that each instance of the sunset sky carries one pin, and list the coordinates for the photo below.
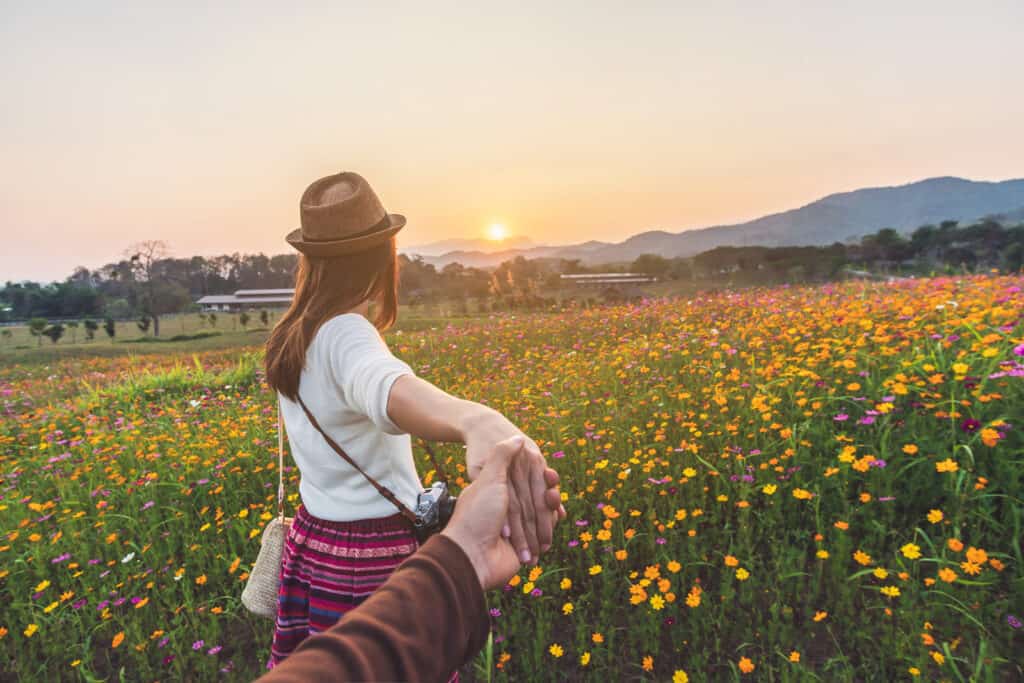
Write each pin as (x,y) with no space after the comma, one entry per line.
(562,121)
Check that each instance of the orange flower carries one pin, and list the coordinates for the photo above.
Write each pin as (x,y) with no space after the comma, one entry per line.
(955,544)
(977,555)
(118,639)
(746,666)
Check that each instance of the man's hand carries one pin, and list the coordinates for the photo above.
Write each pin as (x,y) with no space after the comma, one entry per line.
(481,512)
(535,504)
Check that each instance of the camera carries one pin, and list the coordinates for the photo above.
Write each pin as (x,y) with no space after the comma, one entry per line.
(434,507)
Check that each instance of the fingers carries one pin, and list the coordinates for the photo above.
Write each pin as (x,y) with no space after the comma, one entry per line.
(528,546)
(551,477)
(517,535)
(539,489)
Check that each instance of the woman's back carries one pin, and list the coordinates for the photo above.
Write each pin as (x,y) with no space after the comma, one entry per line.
(345,384)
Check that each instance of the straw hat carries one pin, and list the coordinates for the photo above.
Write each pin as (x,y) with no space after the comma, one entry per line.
(341,214)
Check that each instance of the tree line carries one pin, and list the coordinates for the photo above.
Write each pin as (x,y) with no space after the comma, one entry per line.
(147,282)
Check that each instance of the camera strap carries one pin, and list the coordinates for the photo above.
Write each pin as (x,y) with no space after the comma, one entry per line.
(383,490)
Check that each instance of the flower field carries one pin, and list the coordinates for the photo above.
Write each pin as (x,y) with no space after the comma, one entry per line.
(775,485)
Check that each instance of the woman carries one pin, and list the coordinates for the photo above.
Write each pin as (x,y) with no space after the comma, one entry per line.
(347,537)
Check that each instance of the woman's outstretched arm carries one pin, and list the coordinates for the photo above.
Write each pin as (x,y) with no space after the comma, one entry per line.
(419,408)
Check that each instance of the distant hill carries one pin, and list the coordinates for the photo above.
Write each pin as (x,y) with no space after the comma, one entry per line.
(480,245)
(838,217)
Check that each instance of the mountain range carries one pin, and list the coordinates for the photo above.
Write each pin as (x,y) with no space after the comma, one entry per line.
(842,217)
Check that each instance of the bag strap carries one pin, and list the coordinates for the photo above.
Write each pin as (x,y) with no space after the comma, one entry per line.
(381,489)
(280,463)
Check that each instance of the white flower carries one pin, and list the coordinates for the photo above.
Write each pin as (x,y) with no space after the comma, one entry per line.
(128,558)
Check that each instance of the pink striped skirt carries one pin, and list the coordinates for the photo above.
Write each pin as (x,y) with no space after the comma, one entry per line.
(328,568)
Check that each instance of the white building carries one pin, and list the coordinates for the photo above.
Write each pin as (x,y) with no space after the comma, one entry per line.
(247,299)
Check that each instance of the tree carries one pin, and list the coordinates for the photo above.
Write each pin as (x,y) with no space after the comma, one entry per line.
(143,323)
(156,290)
(264,318)
(6,335)
(90,326)
(212,317)
(73,326)
(243,319)
(651,264)
(54,332)
(36,326)
(109,328)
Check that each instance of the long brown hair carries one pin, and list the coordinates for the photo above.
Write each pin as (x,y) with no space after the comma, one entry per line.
(324,288)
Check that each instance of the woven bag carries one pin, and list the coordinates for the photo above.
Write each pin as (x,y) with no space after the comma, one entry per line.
(260,593)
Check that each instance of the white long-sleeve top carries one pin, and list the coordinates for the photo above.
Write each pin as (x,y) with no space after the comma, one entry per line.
(346,382)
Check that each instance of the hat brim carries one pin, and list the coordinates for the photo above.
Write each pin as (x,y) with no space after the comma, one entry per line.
(347,245)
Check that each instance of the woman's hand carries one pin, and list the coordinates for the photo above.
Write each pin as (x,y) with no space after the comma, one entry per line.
(480,513)
(418,407)
(535,504)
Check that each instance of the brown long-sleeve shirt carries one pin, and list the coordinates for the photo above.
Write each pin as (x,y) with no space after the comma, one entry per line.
(428,619)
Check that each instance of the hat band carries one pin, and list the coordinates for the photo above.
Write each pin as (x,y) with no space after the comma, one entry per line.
(380,225)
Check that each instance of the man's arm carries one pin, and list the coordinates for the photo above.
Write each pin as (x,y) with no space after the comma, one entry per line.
(426,620)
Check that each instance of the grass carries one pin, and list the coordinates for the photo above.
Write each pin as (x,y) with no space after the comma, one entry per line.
(804,483)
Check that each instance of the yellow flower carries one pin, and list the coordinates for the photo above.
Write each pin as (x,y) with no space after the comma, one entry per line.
(862,558)
(880,572)
(939,658)
(769,489)
(794,656)
(801,494)
(680,677)
(935,516)
(567,608)
(742,574)
(30,630)
(910,449)
(947,465)
(565,584)
(989,437)
(960,368)
(528,587)
(746,665)
(595,570)
(911,551)
(820,616)
(43,585)
(914,671)
(689,473)
(584,659)
(822,554)
(556,650)
(52,606)
(976,555)
(890,591)
(657,602)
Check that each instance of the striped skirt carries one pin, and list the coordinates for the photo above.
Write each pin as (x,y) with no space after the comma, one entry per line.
(328,568)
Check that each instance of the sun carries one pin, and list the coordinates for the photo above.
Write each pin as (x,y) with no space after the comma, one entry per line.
(496,232)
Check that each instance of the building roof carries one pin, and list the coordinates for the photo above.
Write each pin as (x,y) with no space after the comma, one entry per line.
(273,298)
(265,292)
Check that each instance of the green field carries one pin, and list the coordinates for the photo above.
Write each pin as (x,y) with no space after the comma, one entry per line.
(789,484)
